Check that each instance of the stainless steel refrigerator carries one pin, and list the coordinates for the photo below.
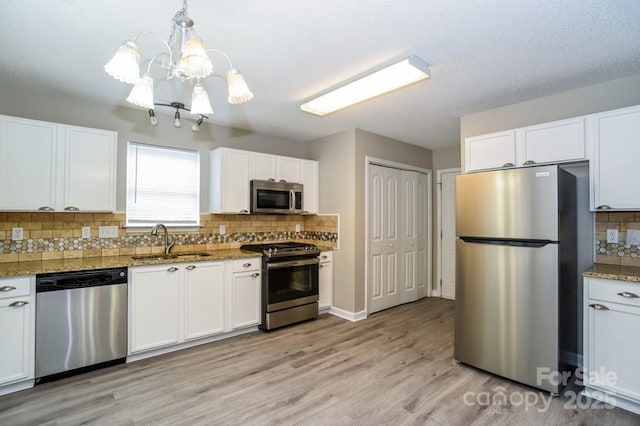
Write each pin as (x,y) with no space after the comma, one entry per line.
(516,272)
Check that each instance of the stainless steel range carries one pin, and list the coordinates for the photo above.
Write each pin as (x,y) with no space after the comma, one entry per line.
(289,282)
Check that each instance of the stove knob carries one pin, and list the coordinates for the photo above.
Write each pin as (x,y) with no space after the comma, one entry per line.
(275,250)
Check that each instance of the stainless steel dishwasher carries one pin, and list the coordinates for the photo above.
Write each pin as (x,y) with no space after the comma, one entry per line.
(81,322)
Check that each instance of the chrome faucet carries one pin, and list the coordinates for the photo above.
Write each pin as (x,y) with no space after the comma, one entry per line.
(167,244)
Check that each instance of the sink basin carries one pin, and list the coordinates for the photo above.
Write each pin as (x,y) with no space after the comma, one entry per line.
(154,256)
(192,254)
(170,256)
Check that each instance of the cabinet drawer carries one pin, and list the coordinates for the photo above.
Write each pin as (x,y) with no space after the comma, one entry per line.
(622,292)
(15,287)
(248,264)
(326,256)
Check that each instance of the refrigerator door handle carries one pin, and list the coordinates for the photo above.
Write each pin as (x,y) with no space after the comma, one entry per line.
(507,242)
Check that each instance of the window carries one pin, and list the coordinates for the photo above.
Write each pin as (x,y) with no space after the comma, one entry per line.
(163,186)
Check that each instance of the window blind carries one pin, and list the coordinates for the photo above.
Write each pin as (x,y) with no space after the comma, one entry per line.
(163,186)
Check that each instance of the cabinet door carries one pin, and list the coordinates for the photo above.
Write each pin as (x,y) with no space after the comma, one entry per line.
(154,307)
(263,166)
(27,164)
(89,169)
(612,347)
(616,149)
(229,181)
(203,300)
(288,169)
(245,299)
(309,179)
(15,348)
(490,151)
(325,284)
(554,142)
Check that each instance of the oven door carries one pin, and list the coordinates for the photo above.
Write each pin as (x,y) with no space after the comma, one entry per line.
(291,283)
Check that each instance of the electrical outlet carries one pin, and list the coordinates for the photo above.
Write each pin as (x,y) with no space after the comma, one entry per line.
(222,230)
(108,232)
(612,236)
(633,237)
(297,227)
(17,234)
(86,232)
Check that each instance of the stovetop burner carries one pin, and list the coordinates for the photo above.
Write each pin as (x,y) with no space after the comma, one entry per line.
(289,248)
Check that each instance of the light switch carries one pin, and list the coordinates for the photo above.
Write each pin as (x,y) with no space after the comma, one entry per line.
(86,232)
(17,234)
(108,232)
(297,227)
(612,236)
(222,230)
(633,237)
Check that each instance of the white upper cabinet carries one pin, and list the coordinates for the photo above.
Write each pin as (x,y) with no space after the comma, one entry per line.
(490,151)
(555,142)
(229,181)
(232,171)
(55,167)
(263,166)
(616,150)
(28,164)
(274,167)
(89,169)
(309,179)
(288,169)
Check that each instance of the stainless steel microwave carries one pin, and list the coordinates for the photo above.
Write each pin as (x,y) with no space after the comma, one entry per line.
(276,197)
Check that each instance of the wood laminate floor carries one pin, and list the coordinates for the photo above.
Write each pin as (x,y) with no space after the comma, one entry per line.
(395,367)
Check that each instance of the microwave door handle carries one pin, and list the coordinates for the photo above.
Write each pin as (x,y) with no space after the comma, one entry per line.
(292,200)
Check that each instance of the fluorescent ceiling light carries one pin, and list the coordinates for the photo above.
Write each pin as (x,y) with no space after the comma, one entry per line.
(400,74)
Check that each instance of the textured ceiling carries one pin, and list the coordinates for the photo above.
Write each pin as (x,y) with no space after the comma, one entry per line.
(483,54)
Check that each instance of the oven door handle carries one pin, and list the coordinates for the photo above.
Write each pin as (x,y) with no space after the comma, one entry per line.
(293,263)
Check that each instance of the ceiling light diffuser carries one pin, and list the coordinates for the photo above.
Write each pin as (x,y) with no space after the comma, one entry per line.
(407,71)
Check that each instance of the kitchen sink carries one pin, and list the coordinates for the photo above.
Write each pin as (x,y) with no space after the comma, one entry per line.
(196,254)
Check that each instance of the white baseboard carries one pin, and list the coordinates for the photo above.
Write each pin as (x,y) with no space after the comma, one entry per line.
(435,292)
(185,345)
(351,316)
(15,387)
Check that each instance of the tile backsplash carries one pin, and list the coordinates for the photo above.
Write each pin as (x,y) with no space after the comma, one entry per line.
(620,253)
(49,235)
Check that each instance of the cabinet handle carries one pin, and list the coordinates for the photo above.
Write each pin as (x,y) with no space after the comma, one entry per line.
(243,211)
(191,267)
(508,165)
(172,269)
(255,274)
(246,265)
(528,163)
(603,207)
(45,209)
(71,209)
(324,256)
(320,265)
(7,288)
(283,181)
(18,304)
(599,307)
(271,180)
(628,295)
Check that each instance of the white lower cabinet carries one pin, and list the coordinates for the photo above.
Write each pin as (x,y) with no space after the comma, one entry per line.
(244,290)
(17,317)
(325,281)
(171,304)
(177,305)
(611,327)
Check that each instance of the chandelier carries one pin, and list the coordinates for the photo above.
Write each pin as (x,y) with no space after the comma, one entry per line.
(186,58)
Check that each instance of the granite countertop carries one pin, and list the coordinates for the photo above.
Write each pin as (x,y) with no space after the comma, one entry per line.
(13,269)
(86,263)
(613,272)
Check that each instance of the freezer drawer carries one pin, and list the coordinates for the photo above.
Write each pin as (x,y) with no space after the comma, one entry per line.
(507,310)
(516,203)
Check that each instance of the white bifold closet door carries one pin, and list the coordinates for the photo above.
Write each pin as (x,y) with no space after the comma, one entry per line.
(397,237)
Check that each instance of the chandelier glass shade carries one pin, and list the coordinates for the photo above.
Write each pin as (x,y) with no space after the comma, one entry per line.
(185,57)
